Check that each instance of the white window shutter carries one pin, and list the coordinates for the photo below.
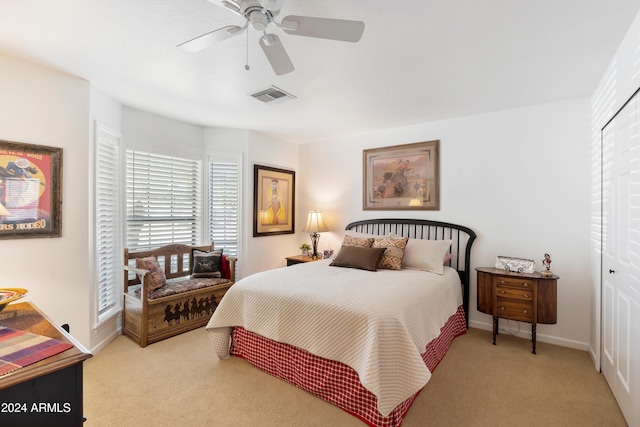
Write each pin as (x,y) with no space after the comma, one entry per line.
(163,200)
(108,220)
(224,202)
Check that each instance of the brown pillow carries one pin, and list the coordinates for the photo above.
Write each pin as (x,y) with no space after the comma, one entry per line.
(392,257)
(157,279)
(364,242)
(358,257)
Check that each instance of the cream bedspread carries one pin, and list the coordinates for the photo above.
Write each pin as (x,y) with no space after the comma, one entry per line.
(378,323)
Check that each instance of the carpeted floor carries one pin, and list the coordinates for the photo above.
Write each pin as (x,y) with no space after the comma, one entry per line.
(178,382)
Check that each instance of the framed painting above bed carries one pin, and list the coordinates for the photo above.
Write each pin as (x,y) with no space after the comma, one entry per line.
(402,177)
(273,201)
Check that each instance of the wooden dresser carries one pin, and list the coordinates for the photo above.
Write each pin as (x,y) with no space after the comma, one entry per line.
(524,297)
(48,392)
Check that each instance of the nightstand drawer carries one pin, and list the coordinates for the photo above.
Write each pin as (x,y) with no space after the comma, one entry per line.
(514,309)
(514,282)
(514,293)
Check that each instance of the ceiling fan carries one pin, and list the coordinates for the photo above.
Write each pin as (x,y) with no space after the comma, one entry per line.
(259,14)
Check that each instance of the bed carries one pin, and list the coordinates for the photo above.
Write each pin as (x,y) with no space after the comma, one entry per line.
(364,333)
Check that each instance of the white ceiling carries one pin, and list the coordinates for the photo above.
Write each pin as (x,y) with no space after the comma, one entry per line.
(418,61)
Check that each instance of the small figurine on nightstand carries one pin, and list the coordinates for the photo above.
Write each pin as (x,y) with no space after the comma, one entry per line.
(547,266)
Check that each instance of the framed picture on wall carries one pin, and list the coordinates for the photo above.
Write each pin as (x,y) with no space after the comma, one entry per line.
(30,191)
(273,201)
(402,177)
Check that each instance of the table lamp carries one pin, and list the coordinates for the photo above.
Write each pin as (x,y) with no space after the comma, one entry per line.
(314,225)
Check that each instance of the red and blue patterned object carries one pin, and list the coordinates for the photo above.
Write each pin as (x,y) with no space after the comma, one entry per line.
(19,349)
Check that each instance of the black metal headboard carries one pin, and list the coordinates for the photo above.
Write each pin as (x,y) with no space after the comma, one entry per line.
(461,240)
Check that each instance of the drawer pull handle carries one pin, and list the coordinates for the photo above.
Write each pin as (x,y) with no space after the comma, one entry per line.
(525,295)
(502,292)
(524,311)
(502,308)
(502,282)
(525,284)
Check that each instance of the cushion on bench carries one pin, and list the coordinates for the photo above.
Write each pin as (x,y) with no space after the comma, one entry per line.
(181,286)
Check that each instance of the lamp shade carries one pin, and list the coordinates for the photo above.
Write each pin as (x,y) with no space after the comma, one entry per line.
(314,224)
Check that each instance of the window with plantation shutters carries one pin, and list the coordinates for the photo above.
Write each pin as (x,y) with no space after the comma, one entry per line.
(163,200)
(224,202)
(107,221)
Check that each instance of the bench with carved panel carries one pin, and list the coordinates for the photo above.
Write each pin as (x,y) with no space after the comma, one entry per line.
(168,290)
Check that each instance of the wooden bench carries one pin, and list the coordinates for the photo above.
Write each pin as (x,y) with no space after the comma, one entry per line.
(181,305)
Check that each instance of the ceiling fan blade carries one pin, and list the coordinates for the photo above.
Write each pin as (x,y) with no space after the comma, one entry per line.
(275,53)
(232,7)
(273,6)
(208,39)
(324,28)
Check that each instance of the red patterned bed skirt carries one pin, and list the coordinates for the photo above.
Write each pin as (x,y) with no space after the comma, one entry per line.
(334,381)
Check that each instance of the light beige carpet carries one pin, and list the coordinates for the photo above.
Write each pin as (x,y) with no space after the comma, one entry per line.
(178,382)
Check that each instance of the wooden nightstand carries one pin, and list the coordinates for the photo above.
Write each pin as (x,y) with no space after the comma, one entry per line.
(525,297)
(298,259)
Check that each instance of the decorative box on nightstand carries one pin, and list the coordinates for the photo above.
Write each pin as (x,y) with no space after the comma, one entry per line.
(298,259)
(526,297)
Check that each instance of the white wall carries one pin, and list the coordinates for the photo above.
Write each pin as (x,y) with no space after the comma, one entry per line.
(518,178)
(267,252)
(147,131)
(46,107)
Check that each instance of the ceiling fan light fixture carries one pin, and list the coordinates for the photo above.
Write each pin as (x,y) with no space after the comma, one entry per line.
(258,20)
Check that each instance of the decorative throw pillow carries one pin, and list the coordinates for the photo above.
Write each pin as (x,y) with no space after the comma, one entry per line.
(427,255)
(362,235)
(206,264)
(157,279)
(359,257)
(364,242)
(394,252)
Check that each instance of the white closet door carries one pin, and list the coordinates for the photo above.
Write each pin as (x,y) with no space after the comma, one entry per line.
(620,359)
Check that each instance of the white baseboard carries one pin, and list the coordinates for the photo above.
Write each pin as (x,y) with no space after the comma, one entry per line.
(102,344)
(525,332)
(106,332)
(594,358)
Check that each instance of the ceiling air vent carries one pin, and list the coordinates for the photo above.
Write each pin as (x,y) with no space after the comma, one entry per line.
(272,95)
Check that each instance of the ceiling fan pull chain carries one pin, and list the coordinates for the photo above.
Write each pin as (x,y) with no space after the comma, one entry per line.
(246,65)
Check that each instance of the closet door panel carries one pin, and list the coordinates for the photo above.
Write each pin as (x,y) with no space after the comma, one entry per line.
(620,266)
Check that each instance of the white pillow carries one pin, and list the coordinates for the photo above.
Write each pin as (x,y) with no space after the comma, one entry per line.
(426,255)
